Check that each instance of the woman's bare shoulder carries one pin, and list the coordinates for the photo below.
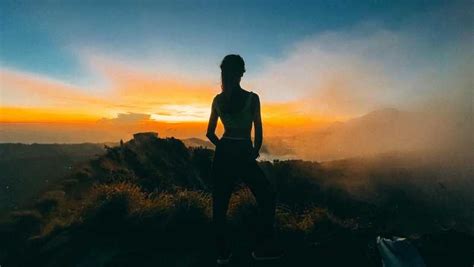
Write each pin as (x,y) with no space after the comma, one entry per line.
(216,102)
(255,97)
(252,93)
(255,100)
(217,97)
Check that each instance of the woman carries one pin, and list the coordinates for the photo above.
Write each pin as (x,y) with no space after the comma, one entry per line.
(235,158)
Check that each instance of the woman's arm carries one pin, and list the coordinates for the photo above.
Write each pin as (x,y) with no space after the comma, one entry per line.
(258,129)
(211,126)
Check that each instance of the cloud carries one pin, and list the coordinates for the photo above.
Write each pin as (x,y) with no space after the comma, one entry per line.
(127,118)
(20,88)
(125,90)
(349,73)
(132,84)
(326,77)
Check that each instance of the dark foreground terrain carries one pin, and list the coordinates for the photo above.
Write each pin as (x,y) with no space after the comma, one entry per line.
(26,170)
(147,203)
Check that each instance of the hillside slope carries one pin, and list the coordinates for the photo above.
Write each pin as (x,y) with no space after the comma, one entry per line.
(26,170)
(147,203)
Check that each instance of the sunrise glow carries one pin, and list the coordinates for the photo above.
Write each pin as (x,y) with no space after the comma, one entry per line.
(66,64)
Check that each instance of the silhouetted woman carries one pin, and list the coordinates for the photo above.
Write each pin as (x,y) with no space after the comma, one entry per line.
(235,158)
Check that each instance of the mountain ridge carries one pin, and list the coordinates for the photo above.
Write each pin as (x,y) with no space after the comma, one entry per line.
(147,202)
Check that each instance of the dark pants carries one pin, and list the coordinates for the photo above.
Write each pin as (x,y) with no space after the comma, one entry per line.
(232,163)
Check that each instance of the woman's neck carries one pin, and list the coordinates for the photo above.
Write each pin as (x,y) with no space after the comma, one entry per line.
(235,88)
(233,91)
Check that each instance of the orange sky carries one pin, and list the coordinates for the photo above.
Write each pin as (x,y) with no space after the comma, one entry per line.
(97,72)
(156,103)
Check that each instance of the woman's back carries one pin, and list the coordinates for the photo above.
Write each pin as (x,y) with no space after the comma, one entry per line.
(236,113)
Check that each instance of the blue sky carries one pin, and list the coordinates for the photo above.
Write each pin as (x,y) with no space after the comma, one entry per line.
(44,37)
(306,59)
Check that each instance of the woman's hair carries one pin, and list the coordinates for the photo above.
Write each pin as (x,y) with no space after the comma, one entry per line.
(232,69)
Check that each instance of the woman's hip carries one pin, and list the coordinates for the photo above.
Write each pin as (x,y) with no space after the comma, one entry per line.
(233,149)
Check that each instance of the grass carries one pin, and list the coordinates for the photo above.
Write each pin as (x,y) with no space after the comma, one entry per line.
(144,205)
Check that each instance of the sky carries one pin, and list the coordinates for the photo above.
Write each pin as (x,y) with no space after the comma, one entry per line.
(156,63)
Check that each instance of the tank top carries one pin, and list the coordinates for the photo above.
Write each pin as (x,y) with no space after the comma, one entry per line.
(239,121)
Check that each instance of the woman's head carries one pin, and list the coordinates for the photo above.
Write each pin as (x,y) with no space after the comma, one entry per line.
(232,70)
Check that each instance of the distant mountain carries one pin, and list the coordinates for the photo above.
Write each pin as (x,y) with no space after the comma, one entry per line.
(380,131)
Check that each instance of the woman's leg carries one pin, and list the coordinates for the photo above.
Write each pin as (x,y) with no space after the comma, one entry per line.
(222,190)
(264,193)
(220,198)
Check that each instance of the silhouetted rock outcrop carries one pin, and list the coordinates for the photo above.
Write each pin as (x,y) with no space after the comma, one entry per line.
(144,137)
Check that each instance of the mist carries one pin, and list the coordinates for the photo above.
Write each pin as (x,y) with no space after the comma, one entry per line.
(400,96)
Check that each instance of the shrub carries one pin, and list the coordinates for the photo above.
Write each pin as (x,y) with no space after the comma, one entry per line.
(183,210)
(108,205)
(125,207)
(314,223)
(243,210)
(190,207)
